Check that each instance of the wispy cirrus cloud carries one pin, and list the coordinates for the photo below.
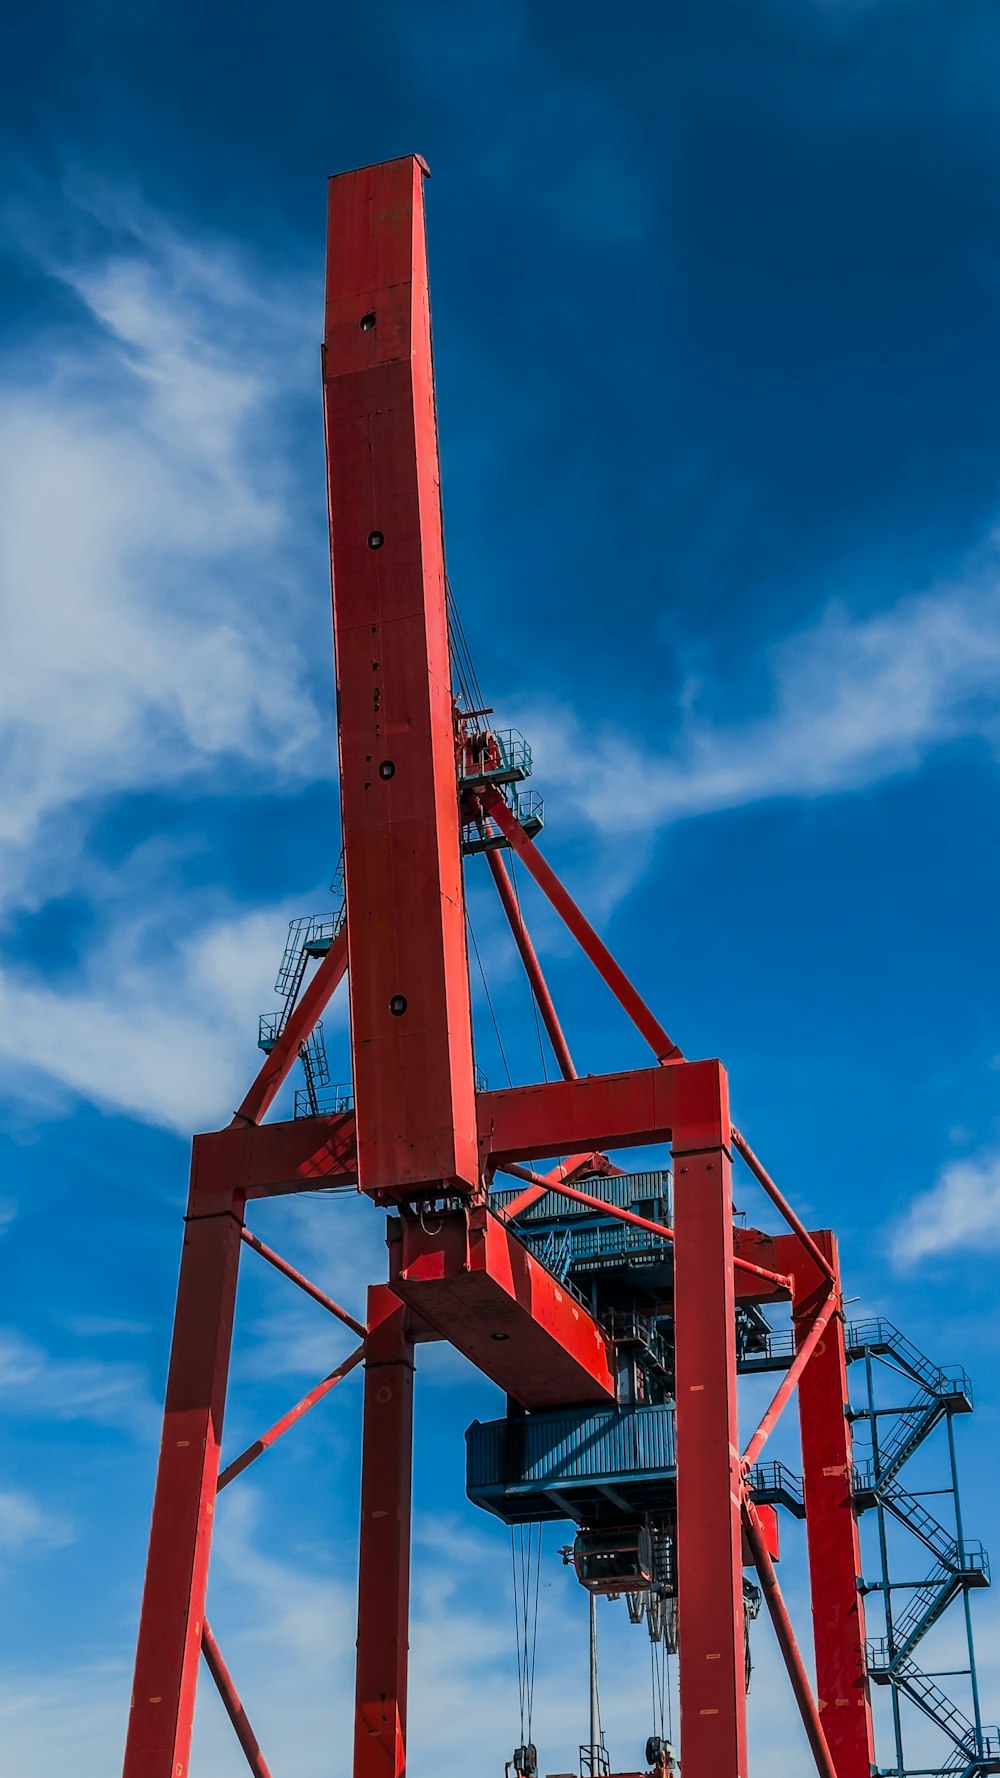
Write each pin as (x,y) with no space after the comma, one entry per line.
(157,613)
(961,1211)
(848,702)
(110,1393)
(148,606)
(26,1524)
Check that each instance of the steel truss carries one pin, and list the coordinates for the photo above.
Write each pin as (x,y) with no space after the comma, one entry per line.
(420,777)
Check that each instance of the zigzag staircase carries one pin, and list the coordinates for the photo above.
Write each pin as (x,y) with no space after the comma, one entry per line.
(309,938)
(959,1565)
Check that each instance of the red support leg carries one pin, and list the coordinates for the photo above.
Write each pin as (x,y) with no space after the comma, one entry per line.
(533,969)
(384,1569)
(173,1604)
(831,1526)
(233,1704)
(411,1022)
(709,1536)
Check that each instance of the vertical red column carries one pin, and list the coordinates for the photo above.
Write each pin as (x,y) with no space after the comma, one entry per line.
(173,1602)
(410,1014)
(709,1538)
(384,1567)
(842,1690)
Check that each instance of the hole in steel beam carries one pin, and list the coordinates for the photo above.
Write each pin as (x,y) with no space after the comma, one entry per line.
(387,769)
(397,1005)
(368,321)
(375,540)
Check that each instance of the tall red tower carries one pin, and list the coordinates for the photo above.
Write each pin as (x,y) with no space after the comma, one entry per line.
(425,779)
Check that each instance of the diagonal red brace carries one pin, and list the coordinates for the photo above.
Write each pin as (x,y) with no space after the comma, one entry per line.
(279,1063)
(787,1643)
(764,1179)
(533,969)
(639,1222)
(792,1375)
(234,1708)
(273,1433)
(318,1296)
(663,1047)
(575,1164)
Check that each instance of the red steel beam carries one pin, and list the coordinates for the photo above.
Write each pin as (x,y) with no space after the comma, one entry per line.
(709,1534)
(279,1062)
(532,967)
(764,1179)
(788,1645)
(838,1613)
(778,1279)
(808,1338)
(384,1561)
(270,1160)
(474,1281)
(572,1116)
(409,984)
(234,1707)
(173,1601)
(318,1296)
(293,1416)
(629,999)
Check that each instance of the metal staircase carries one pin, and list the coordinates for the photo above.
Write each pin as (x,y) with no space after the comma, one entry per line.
(309,938)
(977,1749)
(934,1596)
(895,1434)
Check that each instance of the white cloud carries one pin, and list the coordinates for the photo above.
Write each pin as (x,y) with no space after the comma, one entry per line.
(961,1211)
(24,1523)
(851,702)
(157,623)
(106,1393)
(159,1025)
(138,499)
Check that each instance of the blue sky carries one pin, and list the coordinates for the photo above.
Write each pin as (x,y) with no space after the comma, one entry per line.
(716,296)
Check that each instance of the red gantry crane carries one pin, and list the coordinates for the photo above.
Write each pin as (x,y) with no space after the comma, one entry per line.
(425,779)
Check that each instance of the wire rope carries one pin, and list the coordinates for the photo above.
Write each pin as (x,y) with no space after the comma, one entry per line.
(526,1569)
(657,1676)
(489,1000)
(531,991)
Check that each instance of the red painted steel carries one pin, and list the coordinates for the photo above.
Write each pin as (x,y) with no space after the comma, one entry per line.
(234,1707)
(788,1645)
(421,1135)
(384,1567)
(574,1167)
(831,1524)
(173,1603)
(809,1336)
(709,1531)
(271,1160)
(764,1179)
(279,1063)
(663,1047)
(778,1280)
(410,1012)
(472,1279)
(767,1519)
(533,969)
(318,1296)
(293,1416)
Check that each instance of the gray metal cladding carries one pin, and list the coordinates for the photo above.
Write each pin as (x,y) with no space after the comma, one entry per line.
(623,1190)
(571,1445)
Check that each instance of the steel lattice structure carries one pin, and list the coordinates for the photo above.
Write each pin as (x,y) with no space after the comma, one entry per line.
(422,780)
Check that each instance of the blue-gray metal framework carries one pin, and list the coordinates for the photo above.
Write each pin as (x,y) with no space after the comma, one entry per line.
(585,1464)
